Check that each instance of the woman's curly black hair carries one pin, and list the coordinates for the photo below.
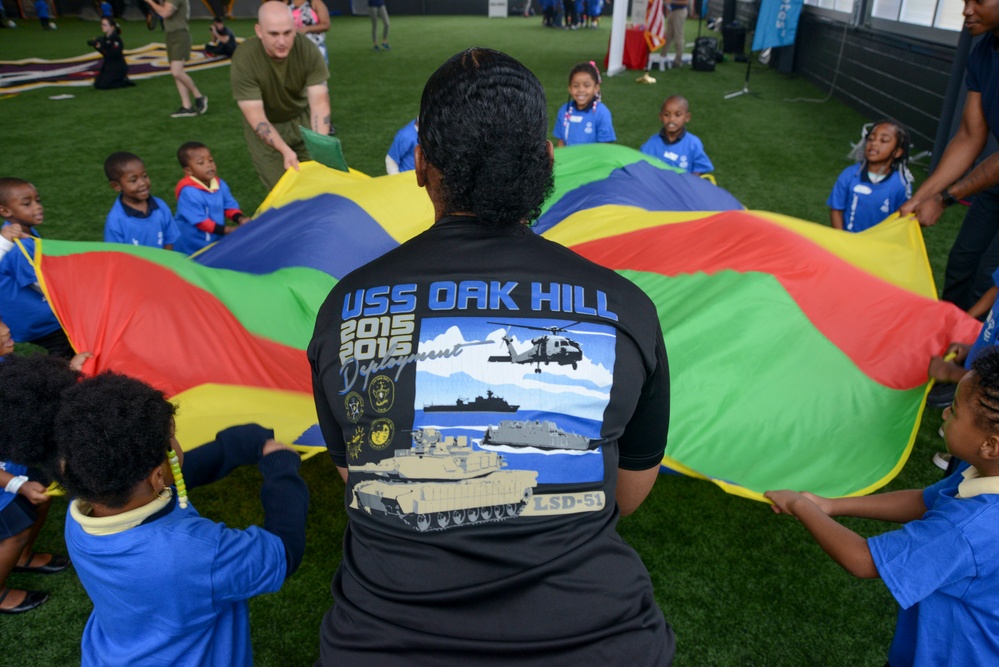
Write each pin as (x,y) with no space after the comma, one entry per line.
(483,124)
(30,388)
(111,432)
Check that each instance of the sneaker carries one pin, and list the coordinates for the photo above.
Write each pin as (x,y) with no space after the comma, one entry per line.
(375,47)
(941,395)
(201,105)
(941,460)
(183,112)
(11,24)
(385,46)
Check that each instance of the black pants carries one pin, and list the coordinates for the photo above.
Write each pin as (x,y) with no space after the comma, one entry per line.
(569,7)
(56,344)
(974,256)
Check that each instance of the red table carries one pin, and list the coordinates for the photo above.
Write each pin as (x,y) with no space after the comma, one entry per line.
(636,52)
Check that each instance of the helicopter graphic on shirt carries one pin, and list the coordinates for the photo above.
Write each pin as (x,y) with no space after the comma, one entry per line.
(550,348)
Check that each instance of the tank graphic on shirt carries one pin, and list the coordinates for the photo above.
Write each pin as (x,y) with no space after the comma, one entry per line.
(442,482)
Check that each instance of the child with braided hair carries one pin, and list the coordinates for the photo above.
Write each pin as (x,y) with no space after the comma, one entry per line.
(868,192)
(584,119)
(942,566)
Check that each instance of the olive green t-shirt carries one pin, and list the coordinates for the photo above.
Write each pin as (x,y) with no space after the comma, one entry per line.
(281,85)
(178,20)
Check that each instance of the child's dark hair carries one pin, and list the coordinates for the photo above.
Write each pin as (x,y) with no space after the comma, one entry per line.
(111,432)
(219,19)
(902,140)
(986,369)
(184,152)
(590,68)
(493,165)
(114,166)
(30,389)
(7,185)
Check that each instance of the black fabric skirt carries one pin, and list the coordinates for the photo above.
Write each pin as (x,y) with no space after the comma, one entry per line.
(18,516)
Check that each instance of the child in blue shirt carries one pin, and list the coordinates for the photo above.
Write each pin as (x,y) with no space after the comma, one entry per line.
(868,192)
(401,155)
(22,302)
(674,145)
(110,444)
(23,503)
(942,566)
(44,17)
(136,217)
(584,119)
(203,200)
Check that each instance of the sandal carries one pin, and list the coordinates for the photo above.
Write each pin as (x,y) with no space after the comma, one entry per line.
(31,600)
(56,564)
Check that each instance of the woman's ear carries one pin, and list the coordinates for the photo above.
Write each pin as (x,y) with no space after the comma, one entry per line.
(420,167)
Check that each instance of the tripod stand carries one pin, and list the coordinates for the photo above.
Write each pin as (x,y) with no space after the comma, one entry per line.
(749,65)
(745,84)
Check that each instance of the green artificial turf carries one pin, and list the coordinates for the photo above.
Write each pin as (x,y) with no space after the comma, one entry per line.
(740,585)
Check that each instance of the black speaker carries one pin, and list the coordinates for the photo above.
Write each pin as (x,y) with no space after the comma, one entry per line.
(705,54)
(733,37)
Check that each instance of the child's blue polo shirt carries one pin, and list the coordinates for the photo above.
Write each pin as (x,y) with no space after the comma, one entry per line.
(403,148)
(686,153)
(864,203)
(205,573)
(943,571)
(22,306)
(154,228)
(201,213)
(593,125)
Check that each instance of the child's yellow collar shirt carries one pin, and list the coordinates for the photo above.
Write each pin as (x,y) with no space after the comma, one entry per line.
(119,523)
(975,485)
(213,186)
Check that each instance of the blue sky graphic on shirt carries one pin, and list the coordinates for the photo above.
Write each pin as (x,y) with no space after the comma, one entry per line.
(572,399)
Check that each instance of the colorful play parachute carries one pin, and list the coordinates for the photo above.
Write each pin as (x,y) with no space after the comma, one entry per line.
(797,353)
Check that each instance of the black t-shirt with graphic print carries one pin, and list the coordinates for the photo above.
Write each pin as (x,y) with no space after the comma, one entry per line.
(483,385)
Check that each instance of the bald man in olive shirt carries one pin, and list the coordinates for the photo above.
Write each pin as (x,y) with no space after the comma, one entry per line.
(279,82)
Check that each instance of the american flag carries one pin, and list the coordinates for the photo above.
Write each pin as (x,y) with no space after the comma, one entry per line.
(655,25)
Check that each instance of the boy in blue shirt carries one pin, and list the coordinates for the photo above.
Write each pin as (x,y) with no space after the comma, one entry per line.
(673,144)
(136,218)
(942,566)
(401,155)
(203,200)
(22,302)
